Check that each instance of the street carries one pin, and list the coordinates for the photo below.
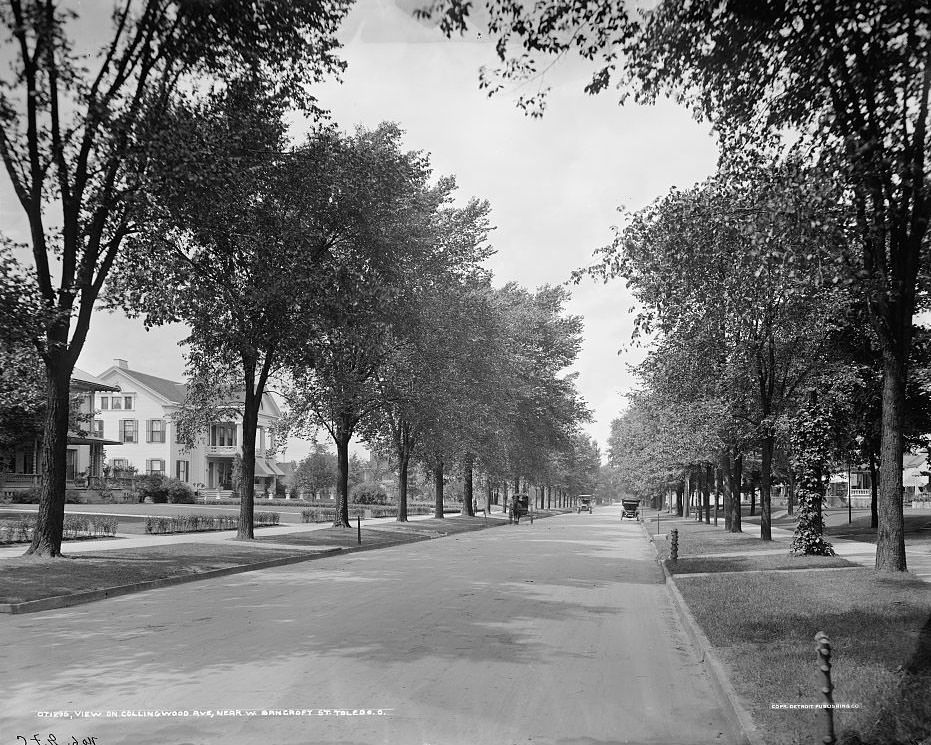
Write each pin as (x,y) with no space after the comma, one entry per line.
(556,632)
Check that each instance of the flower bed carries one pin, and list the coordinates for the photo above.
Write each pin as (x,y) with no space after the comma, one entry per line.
(160,524)
(75,527)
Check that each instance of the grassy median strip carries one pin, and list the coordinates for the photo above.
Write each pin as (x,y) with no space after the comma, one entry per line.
(778,562)
(762,626)
(25,579)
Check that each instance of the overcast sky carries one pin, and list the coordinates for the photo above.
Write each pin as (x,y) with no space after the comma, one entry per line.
(554,183)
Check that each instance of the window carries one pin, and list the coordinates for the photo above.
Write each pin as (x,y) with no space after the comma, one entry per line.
(178,438)
(29,461)
(97,428)
(116,402)
(156,465)
(223,435)
(181,470)
(128,431)
(155,430)
(128,402)
(104,402)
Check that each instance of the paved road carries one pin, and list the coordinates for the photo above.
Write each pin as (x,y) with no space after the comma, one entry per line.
(559,632)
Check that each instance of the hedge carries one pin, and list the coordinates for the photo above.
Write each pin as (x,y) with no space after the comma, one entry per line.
(196,523)
(75,526)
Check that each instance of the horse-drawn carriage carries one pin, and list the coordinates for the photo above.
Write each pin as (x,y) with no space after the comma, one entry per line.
(520,506)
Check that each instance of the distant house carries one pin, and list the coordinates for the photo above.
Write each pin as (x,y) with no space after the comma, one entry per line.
(85,454)
(858,481)
(141,416)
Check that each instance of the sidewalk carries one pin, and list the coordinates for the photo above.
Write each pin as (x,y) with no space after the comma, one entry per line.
(135,540)
(918,558)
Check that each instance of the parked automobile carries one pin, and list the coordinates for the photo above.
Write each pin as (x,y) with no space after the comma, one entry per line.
(585,505)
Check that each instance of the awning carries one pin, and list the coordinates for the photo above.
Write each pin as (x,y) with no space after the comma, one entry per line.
(78,440)
(261,469)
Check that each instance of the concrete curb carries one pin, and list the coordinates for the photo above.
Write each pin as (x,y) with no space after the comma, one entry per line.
(90,596)
(741,722)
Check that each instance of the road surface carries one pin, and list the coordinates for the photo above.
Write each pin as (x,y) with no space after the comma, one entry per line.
(560,632)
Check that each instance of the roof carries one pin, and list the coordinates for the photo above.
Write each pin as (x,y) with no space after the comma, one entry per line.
(913,460)
(84,381)
(287,467)
(170,389)
(266,468)
(176,392)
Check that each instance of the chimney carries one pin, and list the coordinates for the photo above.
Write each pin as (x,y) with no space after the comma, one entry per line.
(122,364)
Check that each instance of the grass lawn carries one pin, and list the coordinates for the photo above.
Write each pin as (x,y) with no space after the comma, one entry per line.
(763,626)
(750,562)
(346,537)
(27,578)
(698,539)
(917,530)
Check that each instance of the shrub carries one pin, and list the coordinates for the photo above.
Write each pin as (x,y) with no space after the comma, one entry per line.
(152,487)
(197,523)
(75,526)
(27,496)
(104,524)
(179,492)
(73,496)
(162,489)
(368,494)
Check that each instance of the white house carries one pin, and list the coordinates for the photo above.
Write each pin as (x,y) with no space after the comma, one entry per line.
(19,465)
(142,418)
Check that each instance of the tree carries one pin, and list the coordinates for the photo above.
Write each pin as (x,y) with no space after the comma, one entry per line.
(850,78)
(433,377)
(390,206)
(753,327)
(70,140)
(232,252)
(317,472)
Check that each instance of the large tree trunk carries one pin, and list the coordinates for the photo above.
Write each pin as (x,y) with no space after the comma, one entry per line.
(680,489)
(790,491)
(404,444)
(467,495)
(342,438)
(890,538)
(735,477)
(726,484)
(438,489)
(50,519)
(688,493)
(709,476)
(718,479)
(250,422)
(403,461)
(766,487)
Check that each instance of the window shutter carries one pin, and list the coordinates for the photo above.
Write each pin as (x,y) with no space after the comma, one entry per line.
(148,466)
(148,430)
